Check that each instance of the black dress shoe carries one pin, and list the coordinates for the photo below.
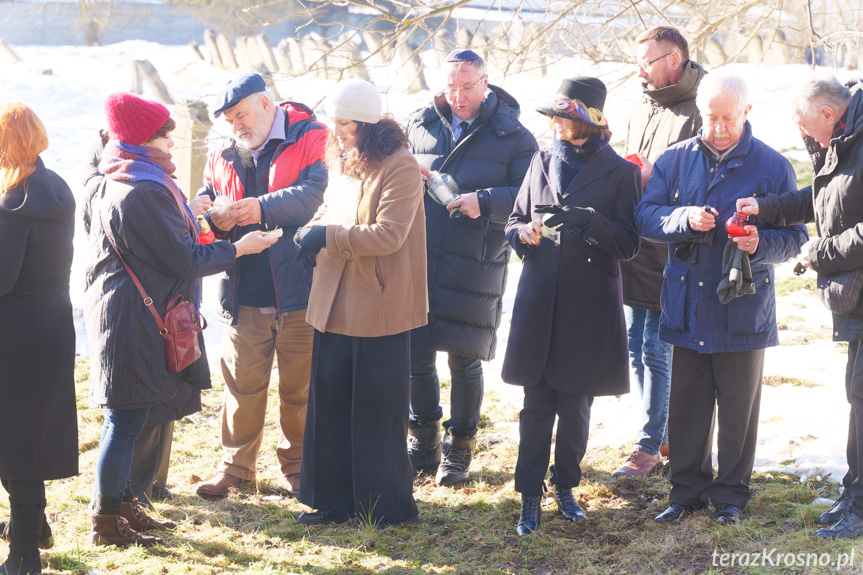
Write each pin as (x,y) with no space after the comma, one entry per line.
(567,504)
(727,514)
(836,512)
(851,525)
(528,522)
(324,517)
(675,511)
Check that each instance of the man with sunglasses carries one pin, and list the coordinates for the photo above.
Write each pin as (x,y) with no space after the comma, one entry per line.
(471,132)
(665,115)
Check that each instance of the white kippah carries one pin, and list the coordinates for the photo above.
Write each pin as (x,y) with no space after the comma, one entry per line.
(356,100)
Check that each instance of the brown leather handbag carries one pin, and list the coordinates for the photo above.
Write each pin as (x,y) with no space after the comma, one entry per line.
(181,325)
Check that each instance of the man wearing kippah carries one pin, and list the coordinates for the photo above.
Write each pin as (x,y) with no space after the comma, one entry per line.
(269,176)
(471,132)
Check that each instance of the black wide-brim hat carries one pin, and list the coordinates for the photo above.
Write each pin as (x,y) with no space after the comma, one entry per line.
(580,99)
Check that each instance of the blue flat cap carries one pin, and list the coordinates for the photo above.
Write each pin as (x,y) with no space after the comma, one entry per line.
(461,56)
(237,89)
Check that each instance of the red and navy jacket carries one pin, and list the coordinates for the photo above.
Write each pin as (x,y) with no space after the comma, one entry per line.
(289,191)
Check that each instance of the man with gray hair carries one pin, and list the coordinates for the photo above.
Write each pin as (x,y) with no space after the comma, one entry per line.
(718,304)
(830,118)
(269,176)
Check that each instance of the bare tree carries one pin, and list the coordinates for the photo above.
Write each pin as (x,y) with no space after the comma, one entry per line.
(94,16)
(525,35)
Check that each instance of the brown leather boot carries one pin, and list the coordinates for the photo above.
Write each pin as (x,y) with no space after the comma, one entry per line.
(140,521)
(114,530)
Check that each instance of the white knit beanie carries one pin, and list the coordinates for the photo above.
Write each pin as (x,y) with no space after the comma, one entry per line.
(356,100)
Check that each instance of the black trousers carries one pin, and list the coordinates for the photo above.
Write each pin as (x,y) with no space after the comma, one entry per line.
(854,392)
(151,459)
(355,457)
(706,388)
(535,426)
(27,506)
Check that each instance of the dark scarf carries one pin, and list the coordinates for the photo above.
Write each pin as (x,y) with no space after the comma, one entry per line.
(129,163)
(568,159)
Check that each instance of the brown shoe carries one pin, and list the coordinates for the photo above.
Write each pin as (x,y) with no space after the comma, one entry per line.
(219,486)
(114,530)
(140,521)
(663,450)
(293,483)
(639,463)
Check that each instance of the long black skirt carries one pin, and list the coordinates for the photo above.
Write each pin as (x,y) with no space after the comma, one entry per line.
(355,445)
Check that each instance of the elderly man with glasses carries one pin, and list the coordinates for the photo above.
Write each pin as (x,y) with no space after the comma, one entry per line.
(666,114)
(471,132)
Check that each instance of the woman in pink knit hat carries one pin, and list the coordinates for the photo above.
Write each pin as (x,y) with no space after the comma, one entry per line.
(140,219)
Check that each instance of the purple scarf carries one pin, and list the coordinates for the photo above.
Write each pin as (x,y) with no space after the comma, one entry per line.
(126,162)
(129,163)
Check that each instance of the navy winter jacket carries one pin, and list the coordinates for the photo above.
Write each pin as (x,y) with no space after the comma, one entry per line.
(467,258)
(692,315)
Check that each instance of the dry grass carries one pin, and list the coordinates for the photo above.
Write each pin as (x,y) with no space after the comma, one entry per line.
(465,530)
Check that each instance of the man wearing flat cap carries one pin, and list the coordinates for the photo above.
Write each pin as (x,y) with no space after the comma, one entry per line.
(471,132)
(269,176)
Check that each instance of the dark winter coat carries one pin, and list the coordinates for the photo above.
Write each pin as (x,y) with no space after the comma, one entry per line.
(567,321)
(661,119)
(467,258)
(692,315)
(38,422)
(289,181)
(834,202)
(128,368)
(188,398)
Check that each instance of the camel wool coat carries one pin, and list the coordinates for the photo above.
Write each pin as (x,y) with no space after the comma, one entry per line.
(370,279)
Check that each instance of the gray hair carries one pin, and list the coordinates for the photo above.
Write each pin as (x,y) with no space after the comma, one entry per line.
(820,89)
(257,96)
(721,82)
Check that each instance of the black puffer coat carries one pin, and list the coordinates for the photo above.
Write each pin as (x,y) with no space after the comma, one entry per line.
(38,423)
(467,258)
(128,368)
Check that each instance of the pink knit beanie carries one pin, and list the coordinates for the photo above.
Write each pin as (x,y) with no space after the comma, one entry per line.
(133,120)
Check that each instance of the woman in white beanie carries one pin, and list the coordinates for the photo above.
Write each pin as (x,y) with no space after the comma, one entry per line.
(367,244)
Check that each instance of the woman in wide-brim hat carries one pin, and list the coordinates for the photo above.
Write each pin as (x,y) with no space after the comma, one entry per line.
(567,341)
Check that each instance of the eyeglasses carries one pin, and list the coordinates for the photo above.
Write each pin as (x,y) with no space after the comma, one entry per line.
(645,65)
(453,90)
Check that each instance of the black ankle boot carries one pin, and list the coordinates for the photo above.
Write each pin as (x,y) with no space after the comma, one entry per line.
(25,533)
(424,445)
(455,461)
(567,504)
(528,522)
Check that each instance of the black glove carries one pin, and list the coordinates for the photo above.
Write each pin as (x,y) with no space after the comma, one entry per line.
(569,216)
(313,242)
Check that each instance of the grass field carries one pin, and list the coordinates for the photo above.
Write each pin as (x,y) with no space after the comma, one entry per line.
(465,530)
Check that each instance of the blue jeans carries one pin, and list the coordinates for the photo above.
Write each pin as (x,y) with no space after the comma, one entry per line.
(651,361)
(120,429)
(465,394)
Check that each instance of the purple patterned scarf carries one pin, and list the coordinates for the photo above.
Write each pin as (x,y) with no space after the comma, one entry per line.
(126,162)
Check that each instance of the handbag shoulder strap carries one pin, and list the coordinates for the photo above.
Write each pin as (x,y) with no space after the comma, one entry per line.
(148,301)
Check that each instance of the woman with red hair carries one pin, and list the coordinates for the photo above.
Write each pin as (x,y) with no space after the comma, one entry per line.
(37,336)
